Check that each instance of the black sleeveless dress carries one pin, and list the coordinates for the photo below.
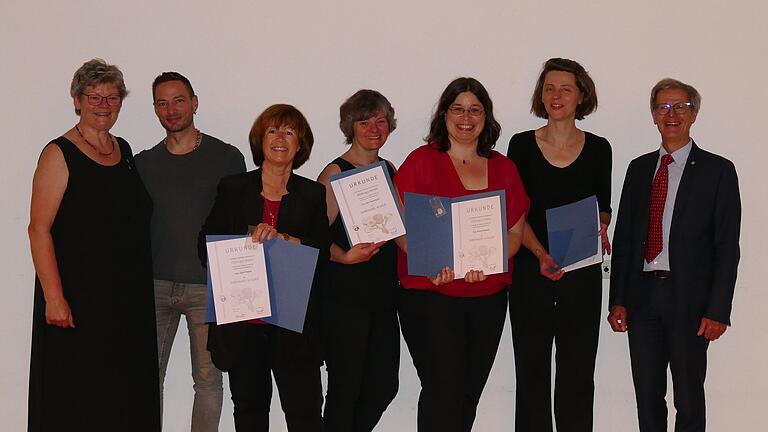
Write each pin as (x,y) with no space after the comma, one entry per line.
(373,284)
(103,374)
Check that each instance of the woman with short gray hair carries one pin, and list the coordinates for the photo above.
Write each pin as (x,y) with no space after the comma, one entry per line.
(363,334)
(93,364)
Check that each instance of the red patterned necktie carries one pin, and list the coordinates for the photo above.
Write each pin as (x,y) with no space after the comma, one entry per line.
(656,215)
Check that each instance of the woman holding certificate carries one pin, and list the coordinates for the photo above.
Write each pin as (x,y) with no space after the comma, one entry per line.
(362,331)
(559,164)
(93,364)
(272,202)
(453,326)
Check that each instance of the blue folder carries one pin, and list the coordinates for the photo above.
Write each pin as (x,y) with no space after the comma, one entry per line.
(358,170)
(290,271)
(572,230)
(429,228)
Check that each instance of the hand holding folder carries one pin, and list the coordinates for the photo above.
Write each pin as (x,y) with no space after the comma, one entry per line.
(290,272)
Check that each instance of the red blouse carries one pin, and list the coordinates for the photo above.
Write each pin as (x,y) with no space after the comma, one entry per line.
(429,171)
(268,216)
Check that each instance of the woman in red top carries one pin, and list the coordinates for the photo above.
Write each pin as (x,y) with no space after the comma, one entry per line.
(452,327)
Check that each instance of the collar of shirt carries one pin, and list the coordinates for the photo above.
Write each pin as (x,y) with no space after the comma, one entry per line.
(680,156)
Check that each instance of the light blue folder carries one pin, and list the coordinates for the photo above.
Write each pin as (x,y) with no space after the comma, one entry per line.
(290,271)
(572,230)
(430,230)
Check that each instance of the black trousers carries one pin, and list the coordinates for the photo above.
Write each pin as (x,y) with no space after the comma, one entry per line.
(250,381)
(568,314)
(661,337)
(363,361)
(453,342)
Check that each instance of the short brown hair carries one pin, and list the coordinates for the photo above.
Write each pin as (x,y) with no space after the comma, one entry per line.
(671,83)
(281,115)
(585,84)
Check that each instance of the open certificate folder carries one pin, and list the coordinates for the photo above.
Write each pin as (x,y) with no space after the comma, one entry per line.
(238,271)
(367,204)
(574,234)
(290,272)
(464,233)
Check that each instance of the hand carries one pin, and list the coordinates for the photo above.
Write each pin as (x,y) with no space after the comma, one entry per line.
(548,266)
(263,232)
(604,238)
(446,275)
(57,313)
(362,252)
(618,318)
(473,276)
(711,329)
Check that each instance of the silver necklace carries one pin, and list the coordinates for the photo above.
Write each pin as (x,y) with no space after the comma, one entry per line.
(197,142)
(272,217)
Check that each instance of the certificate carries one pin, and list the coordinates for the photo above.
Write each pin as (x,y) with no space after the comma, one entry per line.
(367,204)
(464,233)
(478,235)
(573,233)
(238,279)
(290,271)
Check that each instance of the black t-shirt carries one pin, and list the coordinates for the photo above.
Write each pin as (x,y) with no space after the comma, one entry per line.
(549,186)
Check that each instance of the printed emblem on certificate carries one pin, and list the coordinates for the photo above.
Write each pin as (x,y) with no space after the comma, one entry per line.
(367,204)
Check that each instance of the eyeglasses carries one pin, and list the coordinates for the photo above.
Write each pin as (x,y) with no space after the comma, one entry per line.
(96,99)
(680,108)
(474,111)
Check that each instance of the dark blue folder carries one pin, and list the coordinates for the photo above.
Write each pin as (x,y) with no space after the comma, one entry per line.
(429,228)
(290,271)
(572,230)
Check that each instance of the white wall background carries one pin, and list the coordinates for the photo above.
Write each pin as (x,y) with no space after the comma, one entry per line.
(242,56)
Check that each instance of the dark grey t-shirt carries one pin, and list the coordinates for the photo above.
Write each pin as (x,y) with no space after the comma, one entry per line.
(183,188)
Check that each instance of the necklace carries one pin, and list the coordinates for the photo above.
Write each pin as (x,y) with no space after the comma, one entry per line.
(197,142)
(463,161)
(272,217)
(93,146)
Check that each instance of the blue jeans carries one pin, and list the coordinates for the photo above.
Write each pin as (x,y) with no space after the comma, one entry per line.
(172,299)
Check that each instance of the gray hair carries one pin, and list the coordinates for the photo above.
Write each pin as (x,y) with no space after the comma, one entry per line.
(671,83)
(363,105)
(93,72)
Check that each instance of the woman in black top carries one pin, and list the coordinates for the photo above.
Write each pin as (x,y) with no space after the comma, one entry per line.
(362,331)
(93,364)
(559,164)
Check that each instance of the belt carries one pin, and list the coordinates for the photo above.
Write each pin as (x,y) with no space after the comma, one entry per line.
(658,274)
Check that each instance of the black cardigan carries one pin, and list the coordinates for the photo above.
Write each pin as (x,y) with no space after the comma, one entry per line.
(302,214)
